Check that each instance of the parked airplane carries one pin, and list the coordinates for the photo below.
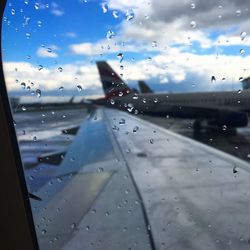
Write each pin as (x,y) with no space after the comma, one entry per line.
(228,109)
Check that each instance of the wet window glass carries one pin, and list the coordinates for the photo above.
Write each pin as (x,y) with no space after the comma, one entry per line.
(132,121)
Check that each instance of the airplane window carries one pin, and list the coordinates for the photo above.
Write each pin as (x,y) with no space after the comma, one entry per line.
(132,121)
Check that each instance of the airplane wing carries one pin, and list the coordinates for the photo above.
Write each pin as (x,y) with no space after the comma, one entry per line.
(126,183)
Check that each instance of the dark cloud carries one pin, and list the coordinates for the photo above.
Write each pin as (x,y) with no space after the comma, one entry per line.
(206,14)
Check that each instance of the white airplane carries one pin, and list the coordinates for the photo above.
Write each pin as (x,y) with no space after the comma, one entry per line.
(224,109)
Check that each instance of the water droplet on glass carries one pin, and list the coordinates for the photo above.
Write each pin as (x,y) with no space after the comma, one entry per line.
(192,5)
(112,101)
(120,93)
(60,69)
(59,179)
(122,121)
(28,35)
(100,170)
(224,127)
(107,213)
(154,44)
(242,51)
(135,97)
(135,129)
(115,14)
(73,225)
(49,50)
(87,228)
(239,91)
(155,100)
(24,108)
(36,5)
(23,85)
(34,138)
(151,140)
(61,88)
(104,7)
(38,93)
(238,12)
(243,35)
(213,79)
(13,12)
(120,57)
(39,24)
(44,231)
(79,88)
(127,191)
(130,107)
(130,15)
(40,67)
(193,24)
(235,170)
(110,34)
(241,79)
(31,177)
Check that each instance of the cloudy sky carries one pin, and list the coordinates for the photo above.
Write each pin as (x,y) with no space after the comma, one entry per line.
(173,45)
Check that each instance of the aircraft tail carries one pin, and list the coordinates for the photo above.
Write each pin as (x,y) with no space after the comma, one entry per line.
(112,84)
(144,87)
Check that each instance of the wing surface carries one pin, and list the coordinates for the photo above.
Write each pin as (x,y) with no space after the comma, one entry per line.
(125,181)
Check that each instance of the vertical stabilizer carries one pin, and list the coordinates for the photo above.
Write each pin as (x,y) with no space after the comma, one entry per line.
(144,88)
(112,84)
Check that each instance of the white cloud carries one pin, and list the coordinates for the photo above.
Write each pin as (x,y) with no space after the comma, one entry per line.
(167,23)
(171,66)
(43,52)
(69,77)
(49,51)
(232,40)
(88,49)
(56,10)
(71,34)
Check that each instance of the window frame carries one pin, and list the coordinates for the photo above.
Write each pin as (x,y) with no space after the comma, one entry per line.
(18,229)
